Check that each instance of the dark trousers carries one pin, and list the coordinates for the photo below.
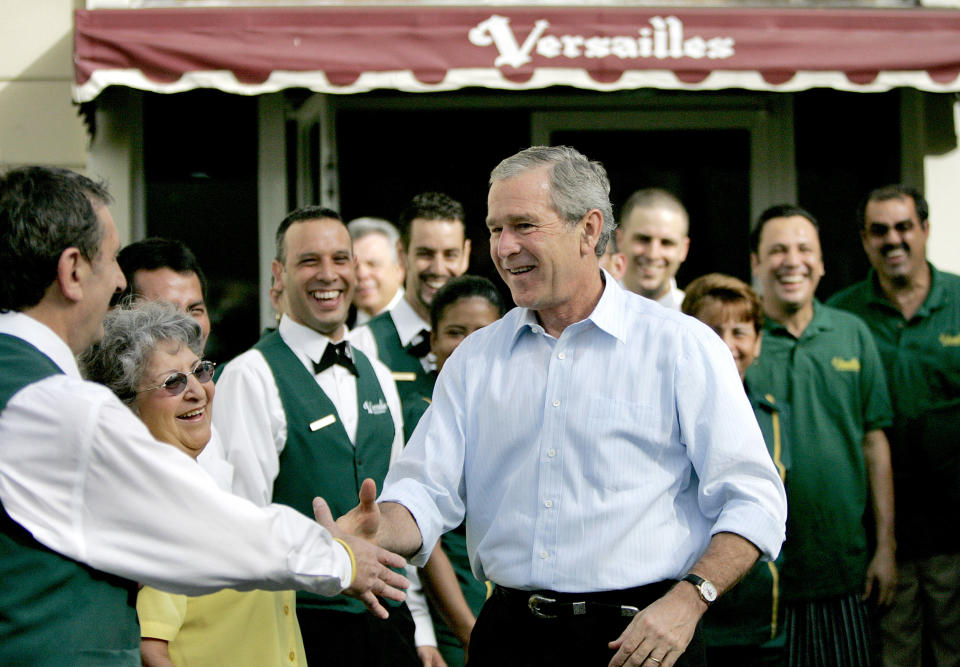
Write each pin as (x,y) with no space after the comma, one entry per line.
(507,633)
(334,638)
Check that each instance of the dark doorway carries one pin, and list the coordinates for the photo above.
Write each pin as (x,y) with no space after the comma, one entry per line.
(387,157)
(708,170)
(200,163)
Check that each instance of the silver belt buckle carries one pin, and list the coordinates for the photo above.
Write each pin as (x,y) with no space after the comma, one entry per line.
(534,605)
(628,610)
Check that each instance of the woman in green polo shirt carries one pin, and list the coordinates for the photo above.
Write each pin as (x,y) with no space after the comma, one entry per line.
(462,306)
(744,627)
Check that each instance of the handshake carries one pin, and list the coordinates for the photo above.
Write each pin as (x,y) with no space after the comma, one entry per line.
(357,531)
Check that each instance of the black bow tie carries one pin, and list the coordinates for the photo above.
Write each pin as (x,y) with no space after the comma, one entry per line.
(336,353)
(421,347)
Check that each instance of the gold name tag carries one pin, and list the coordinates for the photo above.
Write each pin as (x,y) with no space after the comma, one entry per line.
(323,422)
(950,341)
(846,364)
(402,376)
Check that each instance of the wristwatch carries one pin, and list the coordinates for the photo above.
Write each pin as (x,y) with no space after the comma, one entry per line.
(706,589)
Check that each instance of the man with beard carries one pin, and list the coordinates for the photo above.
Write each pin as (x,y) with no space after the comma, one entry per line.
(825,364)
(913,311)
(435,248)
(653,238)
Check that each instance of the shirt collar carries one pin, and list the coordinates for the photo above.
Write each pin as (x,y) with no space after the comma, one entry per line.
(822,321)
(673,298)
(306,340)
(936,297)
(41,337)
(607,315)
(407,322)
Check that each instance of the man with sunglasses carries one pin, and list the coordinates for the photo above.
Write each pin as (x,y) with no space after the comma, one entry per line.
(90,502)
(303,413)
(913,311)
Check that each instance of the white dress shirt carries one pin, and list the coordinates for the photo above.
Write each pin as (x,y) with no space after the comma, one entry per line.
(409,326)
(363,317)
(251,419)
(83,474)
(253,425)
(600,460)
(673,299)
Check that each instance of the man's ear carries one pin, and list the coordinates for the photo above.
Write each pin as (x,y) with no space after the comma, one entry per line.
(466,256)
(591,227)
(276,268)
(754,263)
(72,269)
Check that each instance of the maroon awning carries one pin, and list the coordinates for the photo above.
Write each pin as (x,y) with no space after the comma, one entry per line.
(422,49)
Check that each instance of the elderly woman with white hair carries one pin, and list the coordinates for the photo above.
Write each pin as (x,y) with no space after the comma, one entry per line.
(150,358)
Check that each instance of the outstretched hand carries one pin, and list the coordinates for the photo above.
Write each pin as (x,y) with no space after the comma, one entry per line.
(363,521)
(373,576)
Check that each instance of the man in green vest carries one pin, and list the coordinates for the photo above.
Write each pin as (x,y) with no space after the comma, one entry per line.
(825,364)
(90,503)
(302,414)
(913,311)
(434,248)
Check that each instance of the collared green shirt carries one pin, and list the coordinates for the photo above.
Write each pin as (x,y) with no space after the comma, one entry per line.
(832,378)
(921,359)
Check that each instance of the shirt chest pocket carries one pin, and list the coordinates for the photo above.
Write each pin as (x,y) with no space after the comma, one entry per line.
(625,437)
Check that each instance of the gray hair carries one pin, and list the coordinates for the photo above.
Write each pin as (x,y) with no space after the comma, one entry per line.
(131,334)
(360,227)
(577,185)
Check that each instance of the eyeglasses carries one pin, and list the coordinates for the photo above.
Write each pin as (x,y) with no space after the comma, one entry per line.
(177,382)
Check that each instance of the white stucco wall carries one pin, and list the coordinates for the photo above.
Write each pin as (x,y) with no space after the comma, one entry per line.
(38,121)
(942,185)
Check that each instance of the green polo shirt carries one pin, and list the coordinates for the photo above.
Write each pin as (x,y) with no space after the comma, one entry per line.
(921,358)
(751,614)
(832,378)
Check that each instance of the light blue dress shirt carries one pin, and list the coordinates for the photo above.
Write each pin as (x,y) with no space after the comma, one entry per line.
(600,460)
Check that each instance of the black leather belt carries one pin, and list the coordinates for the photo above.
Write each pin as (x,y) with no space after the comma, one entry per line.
(548,604)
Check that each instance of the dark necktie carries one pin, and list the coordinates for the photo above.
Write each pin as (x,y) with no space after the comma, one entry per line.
(336,353)
(421,348)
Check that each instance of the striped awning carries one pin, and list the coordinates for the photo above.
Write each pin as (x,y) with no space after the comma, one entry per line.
(344,50)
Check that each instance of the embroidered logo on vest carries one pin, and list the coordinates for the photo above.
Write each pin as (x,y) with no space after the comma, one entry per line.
(377,408)
(950,341)
(849,365)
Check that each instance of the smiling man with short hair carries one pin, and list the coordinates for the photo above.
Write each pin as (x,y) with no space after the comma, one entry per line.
(825,363)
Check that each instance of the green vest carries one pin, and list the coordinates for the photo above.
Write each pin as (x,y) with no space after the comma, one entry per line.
(318,458)
(54,610)
(751,614)
(413,383)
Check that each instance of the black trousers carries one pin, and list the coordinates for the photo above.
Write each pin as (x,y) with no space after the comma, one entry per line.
(507,633)
(334,638)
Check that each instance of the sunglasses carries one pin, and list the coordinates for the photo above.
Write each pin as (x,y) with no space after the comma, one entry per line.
(177,382)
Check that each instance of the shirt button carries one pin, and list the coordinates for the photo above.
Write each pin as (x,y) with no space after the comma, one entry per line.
(543,555)
(556,404)
(562,355)
(548,503)
(551,453)
(286,610)
(292,656)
